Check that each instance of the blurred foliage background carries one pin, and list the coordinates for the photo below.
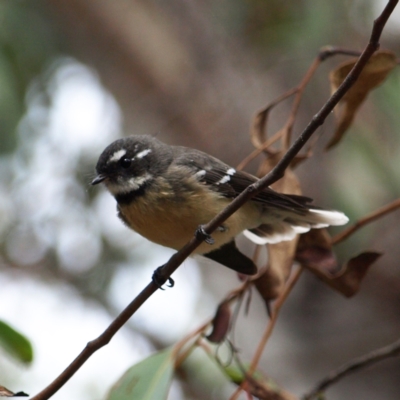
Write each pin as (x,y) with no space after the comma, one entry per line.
(77,74)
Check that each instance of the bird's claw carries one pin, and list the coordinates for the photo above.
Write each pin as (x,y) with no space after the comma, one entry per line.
(159,279)
(203,235)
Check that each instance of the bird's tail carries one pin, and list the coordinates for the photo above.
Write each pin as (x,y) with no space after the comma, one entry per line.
(280,225)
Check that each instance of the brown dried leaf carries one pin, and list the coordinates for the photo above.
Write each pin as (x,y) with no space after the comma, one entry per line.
(314,251)
(4,392)
(271,283)
(374,73)
(281,255)
(220,323)
(258,129)
(347,281)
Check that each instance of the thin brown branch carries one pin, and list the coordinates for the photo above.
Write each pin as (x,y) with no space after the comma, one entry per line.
(268,331)
(323,55)
(286,131)
(259,123)
(275,312)
(392,350)
(277,172)
(259,150)
(366,220)
(329,51)
(97,343)
(288,128)
(181,357)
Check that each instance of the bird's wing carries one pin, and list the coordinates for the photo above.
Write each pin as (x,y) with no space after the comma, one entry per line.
(295,214)
(230,183)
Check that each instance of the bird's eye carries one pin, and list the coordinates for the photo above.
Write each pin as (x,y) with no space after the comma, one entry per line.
(125,162)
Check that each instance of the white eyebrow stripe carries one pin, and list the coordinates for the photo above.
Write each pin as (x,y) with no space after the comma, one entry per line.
(143,153)
(117,155)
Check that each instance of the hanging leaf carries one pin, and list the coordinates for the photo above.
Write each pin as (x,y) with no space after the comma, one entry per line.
(150,379)
(374,73)
(220,323)
(315,251)
(258,128)
(347,281)
(16,344)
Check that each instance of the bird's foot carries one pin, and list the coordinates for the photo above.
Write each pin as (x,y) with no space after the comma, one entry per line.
(203,235)
(159,279)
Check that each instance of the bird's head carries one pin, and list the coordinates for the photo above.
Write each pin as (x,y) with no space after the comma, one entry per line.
(128,164)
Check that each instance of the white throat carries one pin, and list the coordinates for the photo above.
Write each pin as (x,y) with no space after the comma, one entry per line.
(127,186)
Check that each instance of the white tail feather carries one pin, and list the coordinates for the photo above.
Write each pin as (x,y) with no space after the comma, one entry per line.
(280,225)
(329,217)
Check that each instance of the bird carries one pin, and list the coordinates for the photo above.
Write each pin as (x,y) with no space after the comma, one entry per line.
(167,193)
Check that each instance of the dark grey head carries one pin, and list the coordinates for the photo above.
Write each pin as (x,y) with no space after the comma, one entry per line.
(128,164)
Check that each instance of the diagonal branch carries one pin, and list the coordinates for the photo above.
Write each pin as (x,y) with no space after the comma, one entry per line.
(373,357)
(176,260)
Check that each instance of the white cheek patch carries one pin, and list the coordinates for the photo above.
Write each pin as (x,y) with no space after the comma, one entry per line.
(135,183)
(226,178)
(117,155)
(128,186)
(143,153)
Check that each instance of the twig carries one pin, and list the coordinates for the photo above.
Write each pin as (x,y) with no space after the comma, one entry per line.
(287,129)
(366,220)
(180,358)
(276,173)
(329,51)
(259,150)
(323,55)
(357,364)
(268,331)
(277,306)
(285,132)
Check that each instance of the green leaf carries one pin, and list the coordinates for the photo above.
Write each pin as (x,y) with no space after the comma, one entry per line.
(15,343)
(148,380)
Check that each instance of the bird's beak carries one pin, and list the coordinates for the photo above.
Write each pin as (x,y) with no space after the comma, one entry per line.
(99,178)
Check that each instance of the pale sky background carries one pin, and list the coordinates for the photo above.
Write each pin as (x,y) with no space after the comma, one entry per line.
(83,118)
